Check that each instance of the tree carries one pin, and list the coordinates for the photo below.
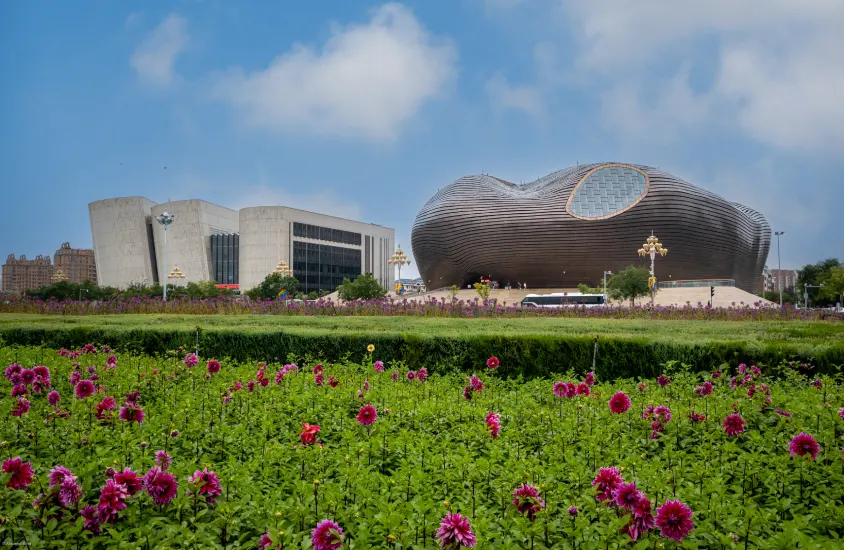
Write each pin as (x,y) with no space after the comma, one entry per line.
(453,292)
(364,287)
(827,272)
(483,290)
(629,284)
(202,289)
(272,286)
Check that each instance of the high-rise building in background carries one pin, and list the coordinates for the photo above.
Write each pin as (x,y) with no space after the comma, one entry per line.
(76,264)
(234,248)
(21,274)
(782,279)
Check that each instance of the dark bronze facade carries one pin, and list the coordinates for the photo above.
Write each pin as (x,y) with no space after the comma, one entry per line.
(570,226)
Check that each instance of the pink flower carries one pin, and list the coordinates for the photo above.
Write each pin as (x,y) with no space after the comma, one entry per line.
(132,414)
(573,511)
(583,389)
(492,362)
(379,366)
(642,387)
(318,368)
(207,483)
(751,391)
(627,495)
(716,374)
(18,390)
(132,398)
(492,421)
(327,536)
(663,381)
(784,413)
(395,375)
(75,377)
(734,425)
(70,491)
(559,389)
(12,369)
(21,473)
(333,382)
(21,407)
(130,480)
(475,383)
(422,374)
(92,521)
(742,368)
(163,460)
(816,383)
(213,366)
(455,532)
(28,376)
(803,444)
(191,360)
(112,500)
(619,403)
(309,434)
(411,375)
(107,404)
(161,486)
(590,379)
(42,371)
(84,389)
(53,398)
(366,386)
(319,380)
(606,483)
(705,389)
(367,415)
(641,519)
(674,520)
(527,500)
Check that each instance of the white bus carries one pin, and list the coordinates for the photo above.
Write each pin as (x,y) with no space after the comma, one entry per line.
(560,299)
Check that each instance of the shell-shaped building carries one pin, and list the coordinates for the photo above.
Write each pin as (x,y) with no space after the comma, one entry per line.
(571,226)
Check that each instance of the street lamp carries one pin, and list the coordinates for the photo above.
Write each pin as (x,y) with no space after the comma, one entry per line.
(652,248)
(604,278)
(399,259)
(165,220)
(283,269)
(59,276)
(780,274)
(806,294)
(176,274)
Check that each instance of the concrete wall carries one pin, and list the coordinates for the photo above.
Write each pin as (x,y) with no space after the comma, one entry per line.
(121,244)
(188,237)
(266,239)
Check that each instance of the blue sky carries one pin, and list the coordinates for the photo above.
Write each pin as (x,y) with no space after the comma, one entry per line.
(364,110)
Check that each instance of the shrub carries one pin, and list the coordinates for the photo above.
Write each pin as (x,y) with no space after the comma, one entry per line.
(364,287)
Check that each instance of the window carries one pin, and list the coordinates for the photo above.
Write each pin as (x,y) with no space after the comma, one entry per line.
(323,267)
(224,258)
(326,234)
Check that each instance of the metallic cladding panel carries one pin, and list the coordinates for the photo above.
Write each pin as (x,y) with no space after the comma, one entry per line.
(480,225)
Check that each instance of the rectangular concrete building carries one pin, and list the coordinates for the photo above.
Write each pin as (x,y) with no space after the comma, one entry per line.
(208,242)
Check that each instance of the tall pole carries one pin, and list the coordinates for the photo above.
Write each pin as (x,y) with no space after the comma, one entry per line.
(164,292)
(780,273)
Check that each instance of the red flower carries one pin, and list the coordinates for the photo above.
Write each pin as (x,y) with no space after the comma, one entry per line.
(590,379)
(21,473)
(606,482)
(455,532)
(309,434)
(804,444)
(619,403)
(674,520)
(493,363)
(213,366)
(367,415)
(583,389)
(527,500)
(663,381)
(734,425)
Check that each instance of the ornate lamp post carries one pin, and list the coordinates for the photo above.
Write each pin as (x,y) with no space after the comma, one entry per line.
(175,274)
(283,269)
(59,276)
(165,220)
(399,259)
(652,248)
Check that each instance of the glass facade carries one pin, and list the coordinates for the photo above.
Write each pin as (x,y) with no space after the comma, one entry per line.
(326,234)
(224,258)
(323,267)
(607,191)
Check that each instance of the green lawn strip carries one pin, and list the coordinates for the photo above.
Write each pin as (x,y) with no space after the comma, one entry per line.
(526,346)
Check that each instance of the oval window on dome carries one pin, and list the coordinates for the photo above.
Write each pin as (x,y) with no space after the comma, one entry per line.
(607,191)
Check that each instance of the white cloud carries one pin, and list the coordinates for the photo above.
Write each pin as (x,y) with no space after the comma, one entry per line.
(522,98)
(154,58)
(368,80)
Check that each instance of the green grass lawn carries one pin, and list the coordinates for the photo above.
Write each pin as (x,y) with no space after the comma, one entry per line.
(698,332)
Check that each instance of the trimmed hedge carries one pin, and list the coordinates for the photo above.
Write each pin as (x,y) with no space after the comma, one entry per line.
(526,355)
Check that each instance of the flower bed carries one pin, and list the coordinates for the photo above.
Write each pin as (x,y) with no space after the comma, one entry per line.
(194,451)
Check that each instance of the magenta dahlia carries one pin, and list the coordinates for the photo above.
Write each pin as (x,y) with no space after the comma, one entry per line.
(455,532)
(21,473)
(379,366)
(53,398)
(559,389)
(327,536)
(674,520)
(319,379)
(475,383)
(492,362)
(130,480)
(705,389)
(626,495)
(619,403)
(161,486)
(583,389)
(112,500)
(21,406)
(163,460)
(527,500)
(804,444)
(422,374)
(663,381)
(191,360)
(606,482)
(19,390)
(367,415)
(12,370)
(411,375)
(207,484)
(317,368)
(92,521)
(492,421)
(734,425)
(590,379)
(131,414)
(28,376)
(84,389)
(212,366)
(642,519)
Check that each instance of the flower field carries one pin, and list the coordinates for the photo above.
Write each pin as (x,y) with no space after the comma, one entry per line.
(106,450)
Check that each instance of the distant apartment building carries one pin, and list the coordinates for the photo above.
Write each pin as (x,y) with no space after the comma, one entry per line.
(21,274)
(76,264)
(782,279)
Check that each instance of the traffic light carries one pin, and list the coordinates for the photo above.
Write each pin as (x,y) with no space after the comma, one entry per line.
(712,291)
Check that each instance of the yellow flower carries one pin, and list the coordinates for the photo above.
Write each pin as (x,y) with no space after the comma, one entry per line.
(371,348)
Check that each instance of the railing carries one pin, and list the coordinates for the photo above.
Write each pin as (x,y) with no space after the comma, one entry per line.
(697,283)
